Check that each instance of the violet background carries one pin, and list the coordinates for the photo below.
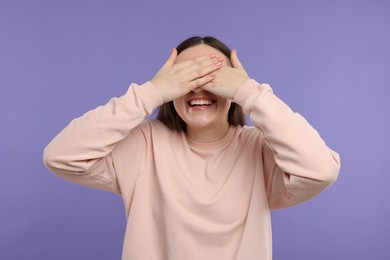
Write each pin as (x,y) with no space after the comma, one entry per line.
(329,60)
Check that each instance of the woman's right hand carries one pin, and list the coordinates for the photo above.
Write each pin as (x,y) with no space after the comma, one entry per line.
(174,80)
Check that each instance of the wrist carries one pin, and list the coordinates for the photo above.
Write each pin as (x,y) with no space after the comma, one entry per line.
(157,90)
(153,93)
(248,88)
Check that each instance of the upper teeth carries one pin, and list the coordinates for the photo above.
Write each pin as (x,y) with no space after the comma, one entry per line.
(201,102)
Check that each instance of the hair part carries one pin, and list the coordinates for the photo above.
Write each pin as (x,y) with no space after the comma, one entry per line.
(167,113)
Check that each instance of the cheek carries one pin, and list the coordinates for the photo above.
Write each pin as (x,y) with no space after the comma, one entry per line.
(179,105)
(225,104)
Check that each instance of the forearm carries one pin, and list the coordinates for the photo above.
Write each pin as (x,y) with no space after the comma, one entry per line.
(297,148)
(95,134)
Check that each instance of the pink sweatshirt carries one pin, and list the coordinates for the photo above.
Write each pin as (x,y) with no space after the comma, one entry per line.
(190,200)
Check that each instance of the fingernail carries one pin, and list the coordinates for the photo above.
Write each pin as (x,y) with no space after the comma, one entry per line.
(220,59)
(218,64)
(212,55)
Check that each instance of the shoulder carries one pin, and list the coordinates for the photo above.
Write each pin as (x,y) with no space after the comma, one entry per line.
(250,138)
(246,142)
(249,133)
(147,126)
(142,133)
(154,126)
(145,136)
(155,129)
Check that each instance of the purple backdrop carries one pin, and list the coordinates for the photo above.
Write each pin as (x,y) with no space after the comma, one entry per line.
(329,60)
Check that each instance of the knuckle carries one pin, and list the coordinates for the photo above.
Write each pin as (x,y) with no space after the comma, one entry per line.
(198,66)
(205,71)
(198,73)
(197,59)
(191,84)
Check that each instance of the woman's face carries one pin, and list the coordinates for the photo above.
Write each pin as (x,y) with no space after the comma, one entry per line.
(199,108)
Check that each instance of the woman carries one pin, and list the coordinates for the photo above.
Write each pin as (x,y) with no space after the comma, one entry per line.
(196,182)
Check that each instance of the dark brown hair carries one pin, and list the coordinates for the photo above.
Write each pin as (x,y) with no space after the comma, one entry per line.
(167,113)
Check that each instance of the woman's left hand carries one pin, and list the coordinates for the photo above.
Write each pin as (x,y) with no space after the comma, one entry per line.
(228,79)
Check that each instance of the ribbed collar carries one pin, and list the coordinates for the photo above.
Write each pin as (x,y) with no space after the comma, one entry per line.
(211,145)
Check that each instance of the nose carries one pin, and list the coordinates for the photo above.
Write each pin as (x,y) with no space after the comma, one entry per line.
(197,90)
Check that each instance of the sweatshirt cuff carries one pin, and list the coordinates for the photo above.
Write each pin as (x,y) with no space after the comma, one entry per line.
(150,97)
(247,89)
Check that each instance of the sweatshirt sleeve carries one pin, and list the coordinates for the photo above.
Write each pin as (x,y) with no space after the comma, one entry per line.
(297,163)
(81,152)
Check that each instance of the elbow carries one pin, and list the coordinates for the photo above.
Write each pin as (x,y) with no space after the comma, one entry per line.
(49,159)
(331,171)
(61,162)
(53,160)
(299,190)
(331,177)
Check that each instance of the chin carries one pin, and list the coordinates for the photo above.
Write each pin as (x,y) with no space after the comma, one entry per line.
(198,124)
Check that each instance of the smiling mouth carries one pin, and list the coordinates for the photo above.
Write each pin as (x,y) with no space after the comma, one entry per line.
(200,102)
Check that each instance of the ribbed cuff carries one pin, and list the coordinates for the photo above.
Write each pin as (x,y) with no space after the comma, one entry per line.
(151,98)
(248,88)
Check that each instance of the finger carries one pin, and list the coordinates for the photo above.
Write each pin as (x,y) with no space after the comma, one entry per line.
(199,61)
(172,59)
(201,68)
(234,59)
(201,82)
(209,85)
(203,71)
